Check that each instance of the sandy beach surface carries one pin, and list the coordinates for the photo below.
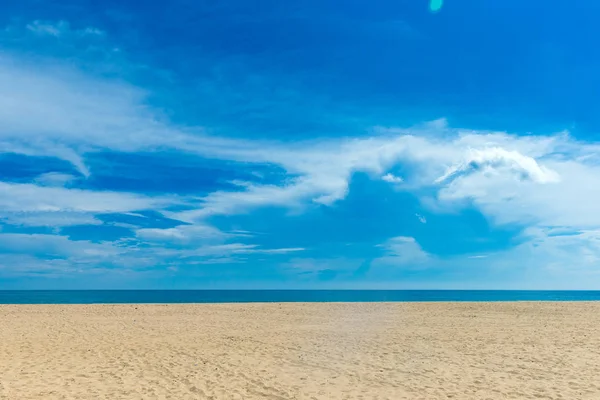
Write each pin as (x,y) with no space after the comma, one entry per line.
(301,351)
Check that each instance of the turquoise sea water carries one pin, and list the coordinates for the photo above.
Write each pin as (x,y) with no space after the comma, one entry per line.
(269,296)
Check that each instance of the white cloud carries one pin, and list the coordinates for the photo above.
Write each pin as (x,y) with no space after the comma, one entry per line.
(403,250)
(33,205)
(421,218)
(497,161)
(18,197)
(570,202)
(58,111)
(54,179)
(324,169)
(391,178)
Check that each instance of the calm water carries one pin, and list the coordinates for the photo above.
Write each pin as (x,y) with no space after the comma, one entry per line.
(252,296)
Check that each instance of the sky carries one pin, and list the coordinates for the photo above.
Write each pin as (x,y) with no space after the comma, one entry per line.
(299,145)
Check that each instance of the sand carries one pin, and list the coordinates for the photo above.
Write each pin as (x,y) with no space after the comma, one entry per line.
(301,351)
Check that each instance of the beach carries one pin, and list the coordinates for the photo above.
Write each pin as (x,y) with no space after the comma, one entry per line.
(524,350)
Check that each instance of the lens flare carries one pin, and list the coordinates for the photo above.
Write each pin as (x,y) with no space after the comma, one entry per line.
(435,5)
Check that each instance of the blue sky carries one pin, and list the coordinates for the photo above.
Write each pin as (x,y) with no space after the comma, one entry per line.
(314,144)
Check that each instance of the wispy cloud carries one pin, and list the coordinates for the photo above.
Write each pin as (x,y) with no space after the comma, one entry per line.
(240,248)
(17,197)
(185,234)
(60,28)
(126,254)
(54,179)
(402,251)
(55,246)
(50,219)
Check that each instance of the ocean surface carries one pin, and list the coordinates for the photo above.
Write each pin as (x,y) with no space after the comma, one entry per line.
(270,296)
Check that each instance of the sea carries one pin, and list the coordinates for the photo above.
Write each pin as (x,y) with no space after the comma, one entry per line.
(284,296)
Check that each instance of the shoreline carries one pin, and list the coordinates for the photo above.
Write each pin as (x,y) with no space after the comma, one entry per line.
(306,303)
